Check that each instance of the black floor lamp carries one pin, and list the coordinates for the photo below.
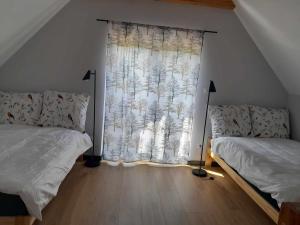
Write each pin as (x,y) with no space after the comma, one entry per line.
(201,172)
(93,160)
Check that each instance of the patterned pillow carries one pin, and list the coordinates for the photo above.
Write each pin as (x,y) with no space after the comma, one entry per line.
(230,120)
(270,122)
(20,108)
(66,110)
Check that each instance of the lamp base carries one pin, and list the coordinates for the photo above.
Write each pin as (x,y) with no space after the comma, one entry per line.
(199,172)
(92,161)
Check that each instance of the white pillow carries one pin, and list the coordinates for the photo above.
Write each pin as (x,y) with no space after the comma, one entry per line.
(270,122)
(230,120)
(66,110)
(20,108)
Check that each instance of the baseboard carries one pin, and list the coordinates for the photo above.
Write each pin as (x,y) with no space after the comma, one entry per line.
(191,162)
(197,163)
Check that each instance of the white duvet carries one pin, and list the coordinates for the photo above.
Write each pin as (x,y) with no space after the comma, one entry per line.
(34,161)
(271,164)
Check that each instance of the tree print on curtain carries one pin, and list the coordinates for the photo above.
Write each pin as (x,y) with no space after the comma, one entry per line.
(151,79)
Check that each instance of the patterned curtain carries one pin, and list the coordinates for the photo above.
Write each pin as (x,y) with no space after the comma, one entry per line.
(151,77)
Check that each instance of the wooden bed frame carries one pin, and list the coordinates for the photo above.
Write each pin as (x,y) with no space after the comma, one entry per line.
(17,220)
(289,213)
(260,201)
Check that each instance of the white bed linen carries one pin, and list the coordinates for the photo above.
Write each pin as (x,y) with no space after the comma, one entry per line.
(271,164)
(34,161)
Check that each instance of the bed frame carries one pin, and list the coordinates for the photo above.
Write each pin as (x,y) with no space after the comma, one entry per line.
(260,201)
(17,220)
(289,213)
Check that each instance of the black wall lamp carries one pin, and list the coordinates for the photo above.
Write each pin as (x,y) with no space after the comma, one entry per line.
(92,160)
(201,172)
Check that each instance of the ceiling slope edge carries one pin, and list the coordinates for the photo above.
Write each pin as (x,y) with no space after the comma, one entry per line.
(278,46)
(11,46)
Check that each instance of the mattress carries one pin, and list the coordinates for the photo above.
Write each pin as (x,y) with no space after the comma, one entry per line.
(34,161)
(270,164)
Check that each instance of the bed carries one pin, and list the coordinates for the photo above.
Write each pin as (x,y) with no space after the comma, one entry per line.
(33,163)
(261,166)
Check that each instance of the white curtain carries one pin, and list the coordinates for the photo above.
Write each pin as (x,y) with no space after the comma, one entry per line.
(152,74)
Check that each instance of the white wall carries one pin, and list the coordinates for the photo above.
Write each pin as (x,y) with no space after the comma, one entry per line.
(274,26)
(58,56)
(294,108)
(20,20)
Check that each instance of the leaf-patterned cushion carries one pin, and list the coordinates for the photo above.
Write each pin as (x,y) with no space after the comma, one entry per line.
(20,108)
(66,110)
(269,122)
(230,120)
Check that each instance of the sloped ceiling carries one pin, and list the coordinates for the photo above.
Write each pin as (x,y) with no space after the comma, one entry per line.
(21,19)
(274,25)
(223,4)
(275,28)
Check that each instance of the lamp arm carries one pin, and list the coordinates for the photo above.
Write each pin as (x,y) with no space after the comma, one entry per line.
(94,120)
(207,103)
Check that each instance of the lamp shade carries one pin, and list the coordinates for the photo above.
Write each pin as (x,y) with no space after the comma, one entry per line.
(212,87)
(87,76)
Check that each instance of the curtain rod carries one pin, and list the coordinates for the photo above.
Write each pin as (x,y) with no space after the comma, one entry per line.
(204,31)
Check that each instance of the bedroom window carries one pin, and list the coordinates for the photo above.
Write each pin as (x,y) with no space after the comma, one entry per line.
(151,75)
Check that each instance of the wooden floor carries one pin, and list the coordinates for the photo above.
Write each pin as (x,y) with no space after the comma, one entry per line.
(144,195)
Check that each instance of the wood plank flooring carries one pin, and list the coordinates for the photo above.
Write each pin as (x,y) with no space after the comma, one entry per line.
(144,195)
